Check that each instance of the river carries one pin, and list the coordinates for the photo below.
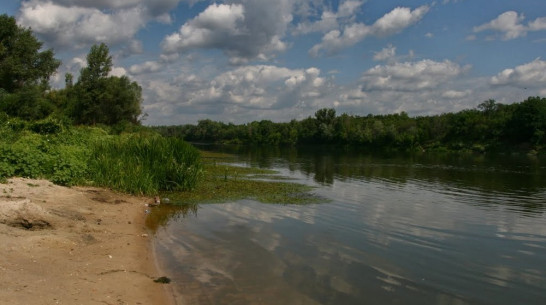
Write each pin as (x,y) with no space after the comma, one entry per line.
(393,229)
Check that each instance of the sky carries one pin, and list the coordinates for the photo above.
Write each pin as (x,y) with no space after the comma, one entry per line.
(245,60)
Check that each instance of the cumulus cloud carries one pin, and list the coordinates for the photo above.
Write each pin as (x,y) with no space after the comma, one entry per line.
(265,86)
(391,23)
(455,94)
(385,54)
(510,25)
(118,71)
(209,29)
(258,89)
(529,75)
(244,31)
(146,67)
(538,24)
(398,19)
(79,23)
(155,8)
(330,20)
(411,76)
(79,26)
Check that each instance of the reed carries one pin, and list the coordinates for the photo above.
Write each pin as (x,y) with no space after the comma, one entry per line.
(145,164)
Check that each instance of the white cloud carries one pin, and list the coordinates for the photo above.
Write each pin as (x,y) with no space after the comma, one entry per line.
(398,19)
(208,29)
(538,24)
(154,8)
(411,76)
(118,71)
(244,31)
(385,54)
(329,20)
(80,26)
(262,90)
(146,67)
(454,94)
(66,24)
(391,23)
(510,25)
(529,75)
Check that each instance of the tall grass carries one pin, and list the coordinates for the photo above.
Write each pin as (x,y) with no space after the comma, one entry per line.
(144,164)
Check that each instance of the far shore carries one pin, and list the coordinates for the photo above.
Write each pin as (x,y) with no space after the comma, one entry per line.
(78,245)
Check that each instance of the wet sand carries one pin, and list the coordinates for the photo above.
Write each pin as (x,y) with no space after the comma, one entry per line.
(76,245)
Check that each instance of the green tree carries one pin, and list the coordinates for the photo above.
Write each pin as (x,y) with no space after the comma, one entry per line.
(99,65)
(21,62)
(104,99)
(529,121)
(325,120)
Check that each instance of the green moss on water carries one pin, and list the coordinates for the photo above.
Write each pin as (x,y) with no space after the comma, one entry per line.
(223,182)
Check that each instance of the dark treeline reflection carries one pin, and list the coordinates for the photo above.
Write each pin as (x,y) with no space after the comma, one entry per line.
(520,179)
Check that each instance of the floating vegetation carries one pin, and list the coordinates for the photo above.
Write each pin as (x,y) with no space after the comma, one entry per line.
(224,182)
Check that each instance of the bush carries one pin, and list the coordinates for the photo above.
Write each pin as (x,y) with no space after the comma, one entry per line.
(46,126)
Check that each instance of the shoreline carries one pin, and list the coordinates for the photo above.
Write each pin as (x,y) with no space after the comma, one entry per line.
(78,245)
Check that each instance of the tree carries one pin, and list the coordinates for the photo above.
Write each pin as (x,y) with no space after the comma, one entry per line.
(21,62)
(100,98)
(68,80)
(528,122)
(99,65)
(325,120)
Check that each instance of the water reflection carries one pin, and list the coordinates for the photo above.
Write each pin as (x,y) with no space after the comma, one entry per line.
(519,179)
(161,215)
(250,253)
(417,231)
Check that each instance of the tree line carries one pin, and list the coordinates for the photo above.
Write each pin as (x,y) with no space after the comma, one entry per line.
(95,97)
(491,126)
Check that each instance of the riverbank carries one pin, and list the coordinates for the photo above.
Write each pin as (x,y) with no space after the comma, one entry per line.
(77,245)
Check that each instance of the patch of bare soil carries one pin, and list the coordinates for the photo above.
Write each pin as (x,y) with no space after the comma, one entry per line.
(74,246)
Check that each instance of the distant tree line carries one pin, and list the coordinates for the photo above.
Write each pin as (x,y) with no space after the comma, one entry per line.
(491,126)
(95,98)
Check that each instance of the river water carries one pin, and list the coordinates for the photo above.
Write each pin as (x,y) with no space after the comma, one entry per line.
(393,229)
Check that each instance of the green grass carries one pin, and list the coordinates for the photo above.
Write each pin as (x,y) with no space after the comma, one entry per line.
(145,164)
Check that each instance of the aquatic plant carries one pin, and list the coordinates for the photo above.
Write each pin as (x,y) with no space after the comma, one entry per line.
(224,182)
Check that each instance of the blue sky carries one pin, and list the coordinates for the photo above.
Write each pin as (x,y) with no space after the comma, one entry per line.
(244,60)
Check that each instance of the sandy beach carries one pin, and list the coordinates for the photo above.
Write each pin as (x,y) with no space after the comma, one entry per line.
(76,245)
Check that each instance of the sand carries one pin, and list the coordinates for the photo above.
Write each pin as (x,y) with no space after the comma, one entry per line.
(76,245)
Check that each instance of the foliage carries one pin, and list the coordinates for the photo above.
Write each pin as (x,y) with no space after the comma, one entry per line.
(101,99)
(492,126)
(21,62)
(140,163)
(28,103)
(24,72)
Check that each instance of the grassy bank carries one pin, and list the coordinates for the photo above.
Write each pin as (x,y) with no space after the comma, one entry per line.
(141,162)
(137,162)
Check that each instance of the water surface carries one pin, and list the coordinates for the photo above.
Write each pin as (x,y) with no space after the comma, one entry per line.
(395,230)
